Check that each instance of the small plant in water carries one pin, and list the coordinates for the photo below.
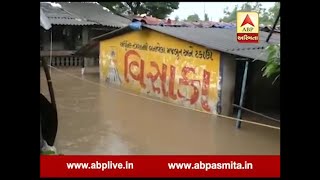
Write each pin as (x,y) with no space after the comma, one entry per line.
(47,152)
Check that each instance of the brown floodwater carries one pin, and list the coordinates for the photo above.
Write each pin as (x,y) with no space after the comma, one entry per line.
(97,119)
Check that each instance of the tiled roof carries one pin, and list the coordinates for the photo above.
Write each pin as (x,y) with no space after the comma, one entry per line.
(149,20)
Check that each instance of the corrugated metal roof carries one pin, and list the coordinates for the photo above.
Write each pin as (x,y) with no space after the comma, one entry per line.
(69,21)
(223,40)
(79,13)
(58,16)
(95,12)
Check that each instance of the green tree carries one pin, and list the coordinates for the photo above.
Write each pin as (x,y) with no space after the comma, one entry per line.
(157,9)
(272,67)
(273,12)
(116,7)
(193,18)
(161,9)
(230,16)
(206,18)
(265,17)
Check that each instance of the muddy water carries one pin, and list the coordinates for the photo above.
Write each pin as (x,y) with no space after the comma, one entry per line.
(96,119)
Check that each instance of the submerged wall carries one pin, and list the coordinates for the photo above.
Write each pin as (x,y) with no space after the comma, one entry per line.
(163,67)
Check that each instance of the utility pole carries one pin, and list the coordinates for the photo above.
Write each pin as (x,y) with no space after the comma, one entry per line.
(204,11)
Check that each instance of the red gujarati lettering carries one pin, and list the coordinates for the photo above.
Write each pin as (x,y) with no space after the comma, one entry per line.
(185,81)
(182,81)
(155,77)
(171,82)
(163,78)
(127,68)
(205,91)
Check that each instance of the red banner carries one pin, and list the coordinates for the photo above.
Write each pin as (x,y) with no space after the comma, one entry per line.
(159,166)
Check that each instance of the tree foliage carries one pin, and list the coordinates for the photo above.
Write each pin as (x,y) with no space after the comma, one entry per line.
(273,12)
(206,17)
(272,67)
(157,9)
(193,18)
(266,17)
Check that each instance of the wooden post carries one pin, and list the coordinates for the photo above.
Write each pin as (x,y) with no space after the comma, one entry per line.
(243,88)
(50,87)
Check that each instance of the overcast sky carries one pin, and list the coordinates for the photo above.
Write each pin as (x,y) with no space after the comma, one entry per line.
(213,9)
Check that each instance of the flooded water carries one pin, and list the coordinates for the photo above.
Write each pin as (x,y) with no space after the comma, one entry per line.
(96,119)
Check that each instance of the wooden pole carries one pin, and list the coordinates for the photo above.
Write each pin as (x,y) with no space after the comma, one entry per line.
(244,82)
(46,71)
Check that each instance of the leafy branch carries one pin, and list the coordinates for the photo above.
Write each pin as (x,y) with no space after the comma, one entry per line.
(272,67)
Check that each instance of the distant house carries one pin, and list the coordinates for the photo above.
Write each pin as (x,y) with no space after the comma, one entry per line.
(73,25)
(199,68)
(149,20)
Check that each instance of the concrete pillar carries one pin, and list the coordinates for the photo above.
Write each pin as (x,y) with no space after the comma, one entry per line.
(85,35)
(228,83)
(85,40)
(46,39)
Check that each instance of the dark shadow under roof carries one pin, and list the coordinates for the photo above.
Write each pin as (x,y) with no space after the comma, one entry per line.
(92,48)
(223,40)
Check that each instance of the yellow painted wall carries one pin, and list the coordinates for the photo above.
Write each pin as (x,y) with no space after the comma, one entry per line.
(162,66)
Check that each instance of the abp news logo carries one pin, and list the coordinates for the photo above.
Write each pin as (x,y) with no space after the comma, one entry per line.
(247,27)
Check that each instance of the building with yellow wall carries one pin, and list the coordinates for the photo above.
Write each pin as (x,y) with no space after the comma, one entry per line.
(191,67)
